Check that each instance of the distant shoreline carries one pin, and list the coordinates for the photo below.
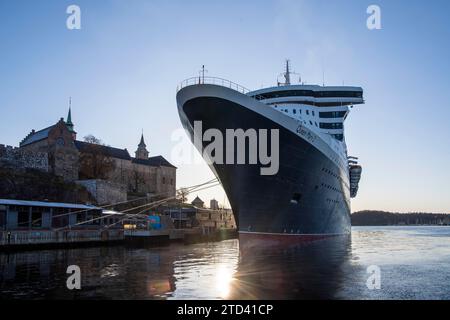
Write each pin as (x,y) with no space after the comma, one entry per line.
(403,225)
(383,218)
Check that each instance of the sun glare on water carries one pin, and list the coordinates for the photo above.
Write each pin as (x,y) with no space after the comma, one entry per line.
(224,277)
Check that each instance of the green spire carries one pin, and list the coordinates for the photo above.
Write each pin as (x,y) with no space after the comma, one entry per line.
(69,117)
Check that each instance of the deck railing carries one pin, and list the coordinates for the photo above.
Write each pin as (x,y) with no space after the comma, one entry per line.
(212,80)
(15,237)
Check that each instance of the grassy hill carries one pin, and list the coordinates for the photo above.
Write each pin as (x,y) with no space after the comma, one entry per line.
(29,184)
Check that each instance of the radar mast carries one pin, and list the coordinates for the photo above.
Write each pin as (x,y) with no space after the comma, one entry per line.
(287,74)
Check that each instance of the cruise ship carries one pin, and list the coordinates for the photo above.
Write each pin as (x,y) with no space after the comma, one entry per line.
(309,195)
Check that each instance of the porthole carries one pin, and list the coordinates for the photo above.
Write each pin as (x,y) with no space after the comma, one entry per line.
(296,197)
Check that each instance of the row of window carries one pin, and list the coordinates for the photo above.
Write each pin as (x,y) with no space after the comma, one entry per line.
(332,114)
(330,172)
(337,125)
(325,115)
(164,181)
(34,219)
(309,93)
(316,103)
(331,188)
(294,111)
(338,177)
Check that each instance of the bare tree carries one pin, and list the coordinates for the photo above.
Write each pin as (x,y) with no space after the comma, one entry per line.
(137,179)
(95,160)
(182,195)
(93,140)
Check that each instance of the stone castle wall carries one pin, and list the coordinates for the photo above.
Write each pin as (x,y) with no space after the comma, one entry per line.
(20,158)
(166,181)
(105,192)
(144,179)
(64,162)
(39,146)
(121,173)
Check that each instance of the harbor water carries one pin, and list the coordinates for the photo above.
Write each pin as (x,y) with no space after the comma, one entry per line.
(374,263)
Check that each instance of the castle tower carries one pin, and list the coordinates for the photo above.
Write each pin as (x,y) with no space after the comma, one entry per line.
(69,123)
(141,152)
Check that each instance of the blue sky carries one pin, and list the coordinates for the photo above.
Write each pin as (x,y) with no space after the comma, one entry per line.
(123,66)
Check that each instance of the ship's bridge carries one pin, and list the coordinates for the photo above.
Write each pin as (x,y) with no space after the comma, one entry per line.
(320,108)
(311,95)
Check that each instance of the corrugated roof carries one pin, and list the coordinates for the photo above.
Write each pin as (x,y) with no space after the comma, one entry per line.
(105,150)
(158,161)
(12,202)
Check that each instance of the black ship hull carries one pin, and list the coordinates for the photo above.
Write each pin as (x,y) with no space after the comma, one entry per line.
(307,199)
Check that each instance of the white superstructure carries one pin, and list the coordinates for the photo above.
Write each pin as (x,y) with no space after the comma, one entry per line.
(320,109)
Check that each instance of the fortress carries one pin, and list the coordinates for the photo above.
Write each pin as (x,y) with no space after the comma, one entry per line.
(110,174)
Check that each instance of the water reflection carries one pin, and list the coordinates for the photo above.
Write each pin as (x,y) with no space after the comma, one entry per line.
(415,264)
(311,271)
(203,271)
(106,273)
(224,277)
